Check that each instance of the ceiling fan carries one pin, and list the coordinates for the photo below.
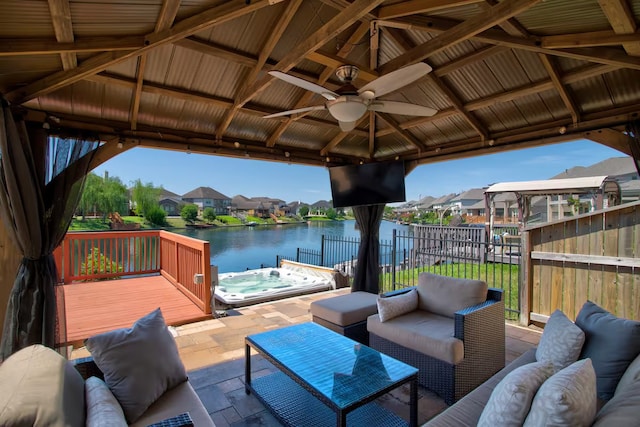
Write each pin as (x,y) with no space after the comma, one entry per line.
(348,104)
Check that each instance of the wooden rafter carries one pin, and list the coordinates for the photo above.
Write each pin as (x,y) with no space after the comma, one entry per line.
(357,35)
(335,26)
(63,28)
(420,6)
(46,46)
(211,17)
(459,33)
(600,55)
(165,20)
(267,48)
(402,133)
(444,88)
(622,21)
(511,26)
(554,74)
(594,38)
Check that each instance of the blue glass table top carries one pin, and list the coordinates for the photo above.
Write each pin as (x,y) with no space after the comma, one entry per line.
(343,370)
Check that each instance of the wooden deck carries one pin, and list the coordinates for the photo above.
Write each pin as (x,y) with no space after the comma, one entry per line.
(95,307)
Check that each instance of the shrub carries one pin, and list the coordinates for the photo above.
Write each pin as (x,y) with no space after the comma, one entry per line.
(156,215)
(97,263)
(189,213)
(209,215)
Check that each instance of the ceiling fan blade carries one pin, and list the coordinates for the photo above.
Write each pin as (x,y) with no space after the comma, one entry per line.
(298,110)
(404,108)
(328,94)
(394,80)
(347,126)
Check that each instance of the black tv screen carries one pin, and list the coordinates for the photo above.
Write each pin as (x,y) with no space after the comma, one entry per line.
(367,184)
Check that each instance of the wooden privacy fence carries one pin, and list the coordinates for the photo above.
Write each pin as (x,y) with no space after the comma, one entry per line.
(184,261)
(594,256)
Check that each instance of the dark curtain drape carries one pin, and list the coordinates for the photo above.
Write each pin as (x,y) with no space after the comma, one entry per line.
(367,277)
(633,130)
(41,180)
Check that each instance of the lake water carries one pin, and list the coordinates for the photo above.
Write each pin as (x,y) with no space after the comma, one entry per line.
(241,248)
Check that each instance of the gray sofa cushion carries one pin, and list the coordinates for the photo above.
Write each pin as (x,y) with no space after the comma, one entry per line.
(445,295)
(103,409)
(610,342)
(467,411)
(630,376)
(139,364)
(421,331)
(623,410)
(346,309)
(39,387)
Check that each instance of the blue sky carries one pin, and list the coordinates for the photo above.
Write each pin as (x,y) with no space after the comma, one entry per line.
(181,172)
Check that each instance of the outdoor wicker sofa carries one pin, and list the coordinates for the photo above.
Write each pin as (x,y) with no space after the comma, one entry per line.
(454,334)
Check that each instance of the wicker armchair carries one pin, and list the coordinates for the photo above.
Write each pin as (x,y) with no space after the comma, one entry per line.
(476,333)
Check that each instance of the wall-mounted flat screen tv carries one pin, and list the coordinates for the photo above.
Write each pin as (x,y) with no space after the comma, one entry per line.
(367,184)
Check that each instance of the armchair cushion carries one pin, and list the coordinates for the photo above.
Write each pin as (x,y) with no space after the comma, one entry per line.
(423,332)
(445,295)
(630,376)
(103,409)
(139,364)
(397,305)
(39,387)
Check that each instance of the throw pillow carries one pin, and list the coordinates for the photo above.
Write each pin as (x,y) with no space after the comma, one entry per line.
(511,400)
(561,341)
(139,363)
(610,342)
(568,398)
(39,387)
(630,376)
(103,410)
(397,305)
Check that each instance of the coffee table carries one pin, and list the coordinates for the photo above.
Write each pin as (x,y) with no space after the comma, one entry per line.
(327,379)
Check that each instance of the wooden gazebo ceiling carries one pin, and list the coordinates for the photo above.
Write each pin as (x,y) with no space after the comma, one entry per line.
(191,75)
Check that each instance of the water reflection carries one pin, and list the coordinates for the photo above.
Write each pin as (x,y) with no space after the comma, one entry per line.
(241,248)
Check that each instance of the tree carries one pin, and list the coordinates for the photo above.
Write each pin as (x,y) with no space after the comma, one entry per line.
(114,197)
(91,194)
(209,214)
(189,213)
(304,210)
(331,213)
(144,196)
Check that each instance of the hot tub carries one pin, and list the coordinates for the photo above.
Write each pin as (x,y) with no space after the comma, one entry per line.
(266,284)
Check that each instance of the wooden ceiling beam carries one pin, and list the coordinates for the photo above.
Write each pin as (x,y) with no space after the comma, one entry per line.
(46,46)
(401,132)
(611,138)
(601,55)
(554,74)
(334,61)
(461,32)
(63,29)
(220,14)
(420,6)
(165,20)
(331,29)
(594,38)
(622,21)
(267,48)
(346,48)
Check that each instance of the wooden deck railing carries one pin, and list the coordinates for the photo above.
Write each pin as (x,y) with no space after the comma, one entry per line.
(594,256)
(85,256)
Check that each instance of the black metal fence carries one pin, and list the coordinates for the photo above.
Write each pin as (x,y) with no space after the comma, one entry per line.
(465,252)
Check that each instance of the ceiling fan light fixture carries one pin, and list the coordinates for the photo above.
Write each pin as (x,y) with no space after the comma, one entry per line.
(347,73)
(347,108)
